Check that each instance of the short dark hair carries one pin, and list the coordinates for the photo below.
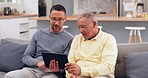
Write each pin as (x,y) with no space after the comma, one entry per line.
(58,7)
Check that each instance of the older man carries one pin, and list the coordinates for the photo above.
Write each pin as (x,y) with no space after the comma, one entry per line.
(93,53)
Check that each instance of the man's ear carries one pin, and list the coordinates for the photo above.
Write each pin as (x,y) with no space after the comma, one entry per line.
(49,16)
(94,23)
(65,19)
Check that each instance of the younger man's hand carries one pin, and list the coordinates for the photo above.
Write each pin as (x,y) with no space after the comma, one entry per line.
(41,65)
(54,66)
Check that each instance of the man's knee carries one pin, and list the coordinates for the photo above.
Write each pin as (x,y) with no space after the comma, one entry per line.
(11,74)
(16,74)
(50,75)
(7,75)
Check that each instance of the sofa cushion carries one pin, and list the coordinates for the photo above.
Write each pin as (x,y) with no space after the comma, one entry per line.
(137,65)
(2,74)
(11,55)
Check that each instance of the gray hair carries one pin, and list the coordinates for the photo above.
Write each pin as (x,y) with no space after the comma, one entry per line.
(89,16)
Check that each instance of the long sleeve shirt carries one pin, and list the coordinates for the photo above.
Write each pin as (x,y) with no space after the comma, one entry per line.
(96,57)
(47,41)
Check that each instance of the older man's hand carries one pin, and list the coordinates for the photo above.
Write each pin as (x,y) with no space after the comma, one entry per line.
(73,68)
(74,76)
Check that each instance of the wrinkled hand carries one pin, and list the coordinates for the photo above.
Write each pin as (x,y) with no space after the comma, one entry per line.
(54,66)
(41,65)
(74,76)
(73,69)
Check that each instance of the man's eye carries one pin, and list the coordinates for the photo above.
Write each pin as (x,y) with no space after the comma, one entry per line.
(82,26)
(60,19)
(53,18)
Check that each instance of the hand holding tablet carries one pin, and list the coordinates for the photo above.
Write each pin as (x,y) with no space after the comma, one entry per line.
(55,59)
(54,66)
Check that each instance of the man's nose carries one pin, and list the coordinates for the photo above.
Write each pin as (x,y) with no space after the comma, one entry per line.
(81,30)
(56,22)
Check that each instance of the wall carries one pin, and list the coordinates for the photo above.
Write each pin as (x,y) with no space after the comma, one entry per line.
(115,28)
(30,6)
(49,5)
(68,4)
(121,35)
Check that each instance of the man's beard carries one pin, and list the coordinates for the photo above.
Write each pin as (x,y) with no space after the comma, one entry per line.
(56,29)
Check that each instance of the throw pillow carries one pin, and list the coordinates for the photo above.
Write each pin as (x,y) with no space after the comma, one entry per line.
(11,55)
(137,65)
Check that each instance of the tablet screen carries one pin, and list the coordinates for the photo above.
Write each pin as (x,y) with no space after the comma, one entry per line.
(61,58)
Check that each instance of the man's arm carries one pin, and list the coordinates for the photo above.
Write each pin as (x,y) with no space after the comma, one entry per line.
(73,48)
(71,56)
(30,52)
(66,51)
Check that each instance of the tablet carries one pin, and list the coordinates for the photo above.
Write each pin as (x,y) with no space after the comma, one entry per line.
(61,58)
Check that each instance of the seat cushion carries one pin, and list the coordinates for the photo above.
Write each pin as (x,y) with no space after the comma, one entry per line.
(137,65)
(11,55)
(2,74)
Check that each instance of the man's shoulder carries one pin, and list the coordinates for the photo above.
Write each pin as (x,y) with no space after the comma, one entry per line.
(105,34)
(79,37)
(68,34)
(42,30)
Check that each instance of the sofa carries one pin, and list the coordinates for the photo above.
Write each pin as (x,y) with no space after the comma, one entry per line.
(131,60)
(126,53)
(11,51)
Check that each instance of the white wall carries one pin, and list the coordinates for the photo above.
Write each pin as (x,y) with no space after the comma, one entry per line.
(30,6)
(48,6)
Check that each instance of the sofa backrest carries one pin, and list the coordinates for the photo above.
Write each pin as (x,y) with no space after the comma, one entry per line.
(11,53)
(124,48)
(18,40)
